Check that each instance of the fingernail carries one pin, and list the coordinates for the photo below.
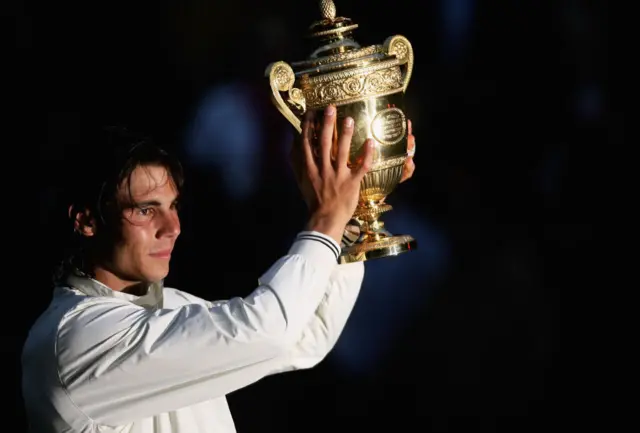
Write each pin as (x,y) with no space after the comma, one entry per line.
(371,143)
(330,111)
(348,122)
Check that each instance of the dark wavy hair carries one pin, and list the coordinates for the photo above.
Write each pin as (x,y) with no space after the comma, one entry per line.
(95,173)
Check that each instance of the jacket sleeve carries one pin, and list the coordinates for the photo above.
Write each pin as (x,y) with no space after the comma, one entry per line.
(119,362)
(325,327)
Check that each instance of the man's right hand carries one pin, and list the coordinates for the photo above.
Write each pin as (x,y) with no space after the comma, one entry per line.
(330,187)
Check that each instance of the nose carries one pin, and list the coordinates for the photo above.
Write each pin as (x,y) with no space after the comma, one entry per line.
(170,225)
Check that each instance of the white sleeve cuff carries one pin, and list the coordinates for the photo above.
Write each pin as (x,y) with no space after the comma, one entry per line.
(317,246)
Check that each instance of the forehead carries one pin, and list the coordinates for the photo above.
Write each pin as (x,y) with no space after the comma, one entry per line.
(151,181)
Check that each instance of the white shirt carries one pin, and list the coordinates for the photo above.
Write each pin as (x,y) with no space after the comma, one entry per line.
(103,361)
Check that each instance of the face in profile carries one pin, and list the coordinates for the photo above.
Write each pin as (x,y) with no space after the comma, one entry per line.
(150,225)
(140,247)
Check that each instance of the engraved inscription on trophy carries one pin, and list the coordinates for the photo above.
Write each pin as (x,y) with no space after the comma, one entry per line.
(389,126)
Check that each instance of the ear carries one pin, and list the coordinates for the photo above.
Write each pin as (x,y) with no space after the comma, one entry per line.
(83,221)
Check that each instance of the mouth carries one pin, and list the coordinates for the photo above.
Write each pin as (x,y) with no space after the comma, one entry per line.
(164,254)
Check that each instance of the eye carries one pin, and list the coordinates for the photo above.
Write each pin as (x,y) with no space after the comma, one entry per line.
(144,211)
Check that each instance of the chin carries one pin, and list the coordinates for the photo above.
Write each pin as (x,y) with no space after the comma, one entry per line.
(156,275)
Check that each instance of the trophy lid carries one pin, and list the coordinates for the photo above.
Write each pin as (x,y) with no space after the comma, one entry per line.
(333,44)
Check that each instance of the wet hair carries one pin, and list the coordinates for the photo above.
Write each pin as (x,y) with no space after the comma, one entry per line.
(94,175)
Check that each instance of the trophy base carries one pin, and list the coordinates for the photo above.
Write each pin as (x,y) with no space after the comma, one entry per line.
(368,249)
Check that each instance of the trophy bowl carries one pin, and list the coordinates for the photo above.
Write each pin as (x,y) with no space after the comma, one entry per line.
(368,84)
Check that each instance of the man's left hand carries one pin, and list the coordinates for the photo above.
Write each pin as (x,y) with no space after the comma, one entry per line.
(409,165)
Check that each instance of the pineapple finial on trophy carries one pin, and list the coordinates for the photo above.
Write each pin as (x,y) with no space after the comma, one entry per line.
(328,9)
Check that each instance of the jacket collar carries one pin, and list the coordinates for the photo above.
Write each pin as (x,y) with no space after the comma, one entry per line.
(90,287)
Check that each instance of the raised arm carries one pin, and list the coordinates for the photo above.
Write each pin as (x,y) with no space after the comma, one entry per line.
(326,326)
(118,361)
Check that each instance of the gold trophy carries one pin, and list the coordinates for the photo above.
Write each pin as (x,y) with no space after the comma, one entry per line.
(368,84)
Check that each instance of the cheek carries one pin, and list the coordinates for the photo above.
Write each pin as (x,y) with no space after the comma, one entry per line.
(137,240)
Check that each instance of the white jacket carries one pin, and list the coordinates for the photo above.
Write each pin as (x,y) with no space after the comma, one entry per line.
(98,360)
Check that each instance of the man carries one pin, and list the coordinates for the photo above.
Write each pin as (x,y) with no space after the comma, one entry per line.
(116,351)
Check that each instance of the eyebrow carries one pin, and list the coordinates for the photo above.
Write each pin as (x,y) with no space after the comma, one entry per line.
(148,203)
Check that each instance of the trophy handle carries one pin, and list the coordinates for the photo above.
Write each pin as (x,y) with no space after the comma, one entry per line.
(401,47)
(281,78)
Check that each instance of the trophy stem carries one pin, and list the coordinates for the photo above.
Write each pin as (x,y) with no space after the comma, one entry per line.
(371,227)
(375,241)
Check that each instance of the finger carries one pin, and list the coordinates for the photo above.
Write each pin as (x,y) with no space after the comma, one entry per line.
(344,143)
(411,146)
(409,127)
(326,135)
(309,115)
(313,129)
(408,169)
(307,140)
(367,161)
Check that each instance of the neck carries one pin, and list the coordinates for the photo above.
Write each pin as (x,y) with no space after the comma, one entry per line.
(117,283)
